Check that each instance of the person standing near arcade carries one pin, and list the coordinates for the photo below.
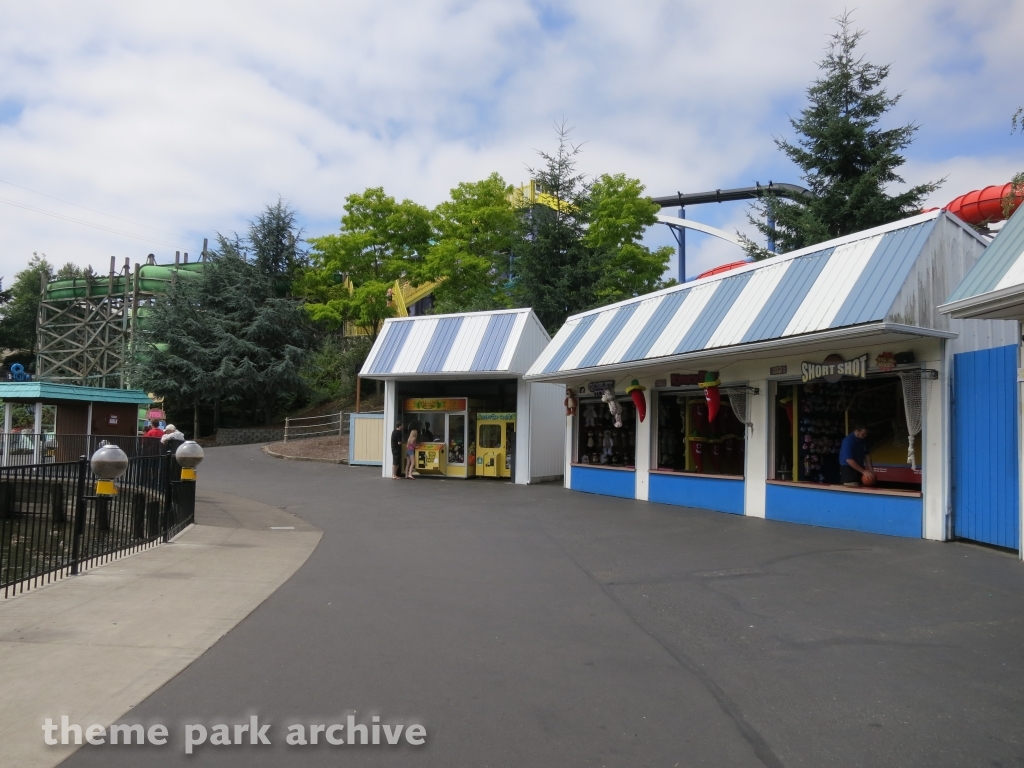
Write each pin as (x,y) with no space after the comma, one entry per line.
(396,450)
(854,460)
(410,452)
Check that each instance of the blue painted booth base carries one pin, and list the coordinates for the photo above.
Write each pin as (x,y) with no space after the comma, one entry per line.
(607,482)
(719,494)
(892,515)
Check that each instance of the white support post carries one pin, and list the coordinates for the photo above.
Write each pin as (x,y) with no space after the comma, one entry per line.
(644,435)
(38,429)
(936,464)
(387,424)
(286,420)
(8,441)
(570,448)
(523,458)
(755,471)
(88,422)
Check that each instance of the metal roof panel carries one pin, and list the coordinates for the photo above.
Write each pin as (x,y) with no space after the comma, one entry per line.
(617,318)
(437,349)
(704,326)
(883,276)
(1000,266)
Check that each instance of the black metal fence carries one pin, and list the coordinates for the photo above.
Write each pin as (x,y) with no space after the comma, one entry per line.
(20,448)
(52,524)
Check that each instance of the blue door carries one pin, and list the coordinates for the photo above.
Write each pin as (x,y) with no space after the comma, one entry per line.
(985,461)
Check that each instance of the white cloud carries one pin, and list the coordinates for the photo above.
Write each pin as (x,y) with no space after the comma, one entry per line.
(189,118)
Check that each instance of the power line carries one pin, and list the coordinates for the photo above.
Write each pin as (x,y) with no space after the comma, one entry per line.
(84,208)
(86,223)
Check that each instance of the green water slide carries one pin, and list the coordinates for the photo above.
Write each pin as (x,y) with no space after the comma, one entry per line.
(153,278)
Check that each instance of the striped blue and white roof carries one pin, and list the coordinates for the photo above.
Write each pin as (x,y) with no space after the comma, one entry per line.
(994,285)
(438,346)
(850,281)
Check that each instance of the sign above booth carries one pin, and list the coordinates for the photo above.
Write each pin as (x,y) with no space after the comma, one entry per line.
(834,368)
(496,417)
(435,404)
(596,387)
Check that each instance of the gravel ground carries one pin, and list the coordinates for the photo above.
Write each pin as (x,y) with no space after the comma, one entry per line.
(323,448)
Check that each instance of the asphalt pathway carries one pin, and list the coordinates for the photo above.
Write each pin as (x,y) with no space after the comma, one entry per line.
(539,627)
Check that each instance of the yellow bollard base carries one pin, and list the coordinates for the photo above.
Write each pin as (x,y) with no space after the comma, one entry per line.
(106,488)
(187,473)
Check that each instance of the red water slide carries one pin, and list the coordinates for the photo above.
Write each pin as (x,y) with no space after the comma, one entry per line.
(984,206)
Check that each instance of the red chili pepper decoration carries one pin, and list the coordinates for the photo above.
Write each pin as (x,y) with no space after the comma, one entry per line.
(711,394)
(636,392)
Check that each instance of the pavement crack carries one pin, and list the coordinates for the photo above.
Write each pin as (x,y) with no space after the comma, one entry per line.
(758,744)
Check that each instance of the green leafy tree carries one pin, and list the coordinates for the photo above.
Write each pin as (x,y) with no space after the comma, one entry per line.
(476,231)
(848,161)
(619,214)
(19,307)
(352,272)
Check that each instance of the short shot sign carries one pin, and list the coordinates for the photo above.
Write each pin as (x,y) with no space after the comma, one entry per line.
(834,368)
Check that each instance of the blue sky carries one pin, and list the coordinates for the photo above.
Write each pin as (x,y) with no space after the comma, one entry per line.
(184,121)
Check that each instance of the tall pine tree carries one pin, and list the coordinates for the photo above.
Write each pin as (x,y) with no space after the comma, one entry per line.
(582,246)
(848,160)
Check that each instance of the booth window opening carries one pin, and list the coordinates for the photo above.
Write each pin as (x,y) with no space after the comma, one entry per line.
(690,441)
(812,420)
(598,441)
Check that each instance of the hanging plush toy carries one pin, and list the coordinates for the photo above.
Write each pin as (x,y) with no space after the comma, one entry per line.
(570,402)
(608,447)
(590,415)
(613,407)
(636,392)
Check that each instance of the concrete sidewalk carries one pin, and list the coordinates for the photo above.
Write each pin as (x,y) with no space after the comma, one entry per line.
(92,646)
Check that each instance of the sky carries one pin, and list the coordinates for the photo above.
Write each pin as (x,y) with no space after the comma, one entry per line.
(136,128)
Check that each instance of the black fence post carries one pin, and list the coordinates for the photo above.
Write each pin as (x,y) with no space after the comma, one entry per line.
(78,526)
(139,515)
(58,507)
(168,496)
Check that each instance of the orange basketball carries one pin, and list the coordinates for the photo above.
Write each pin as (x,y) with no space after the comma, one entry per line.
(867,480)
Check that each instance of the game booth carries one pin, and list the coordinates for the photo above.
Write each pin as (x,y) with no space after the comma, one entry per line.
(458,381)
(734,392)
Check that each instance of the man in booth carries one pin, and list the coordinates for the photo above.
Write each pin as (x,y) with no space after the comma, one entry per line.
(855,465)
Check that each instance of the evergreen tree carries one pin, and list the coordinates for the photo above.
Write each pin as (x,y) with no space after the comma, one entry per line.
(582,246)
(555,272)
(226,339)
(847,160)
(275,240)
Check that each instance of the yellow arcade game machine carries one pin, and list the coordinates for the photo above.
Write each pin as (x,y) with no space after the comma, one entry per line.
(495,444)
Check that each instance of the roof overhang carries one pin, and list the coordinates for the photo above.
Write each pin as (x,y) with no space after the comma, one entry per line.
(39,391)
(880,332)
(454,376)
(1001,304)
